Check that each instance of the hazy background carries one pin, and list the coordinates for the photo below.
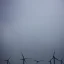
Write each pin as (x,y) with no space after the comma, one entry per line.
(35,27)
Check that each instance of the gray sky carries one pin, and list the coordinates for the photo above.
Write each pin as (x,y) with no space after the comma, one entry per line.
(34,27)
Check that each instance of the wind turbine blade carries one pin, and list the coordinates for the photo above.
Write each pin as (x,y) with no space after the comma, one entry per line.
(57,59)
(50,62)
(22,54)
(54,53)
(51,59)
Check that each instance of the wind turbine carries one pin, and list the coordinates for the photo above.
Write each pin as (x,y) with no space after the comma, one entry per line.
(8,60)
(23,58)
(37,61)
(54,58)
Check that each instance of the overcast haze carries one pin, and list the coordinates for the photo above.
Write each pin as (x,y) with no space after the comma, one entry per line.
(35,27)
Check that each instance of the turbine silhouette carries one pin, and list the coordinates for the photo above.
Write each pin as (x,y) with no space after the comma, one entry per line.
(54,58)
(8,60)
(24,59)
(37,61)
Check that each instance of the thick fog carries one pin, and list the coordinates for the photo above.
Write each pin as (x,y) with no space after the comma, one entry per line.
(33,27)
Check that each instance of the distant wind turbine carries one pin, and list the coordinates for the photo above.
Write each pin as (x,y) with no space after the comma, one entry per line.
(24,59)
(54,58)
(7,60)
(37,61)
